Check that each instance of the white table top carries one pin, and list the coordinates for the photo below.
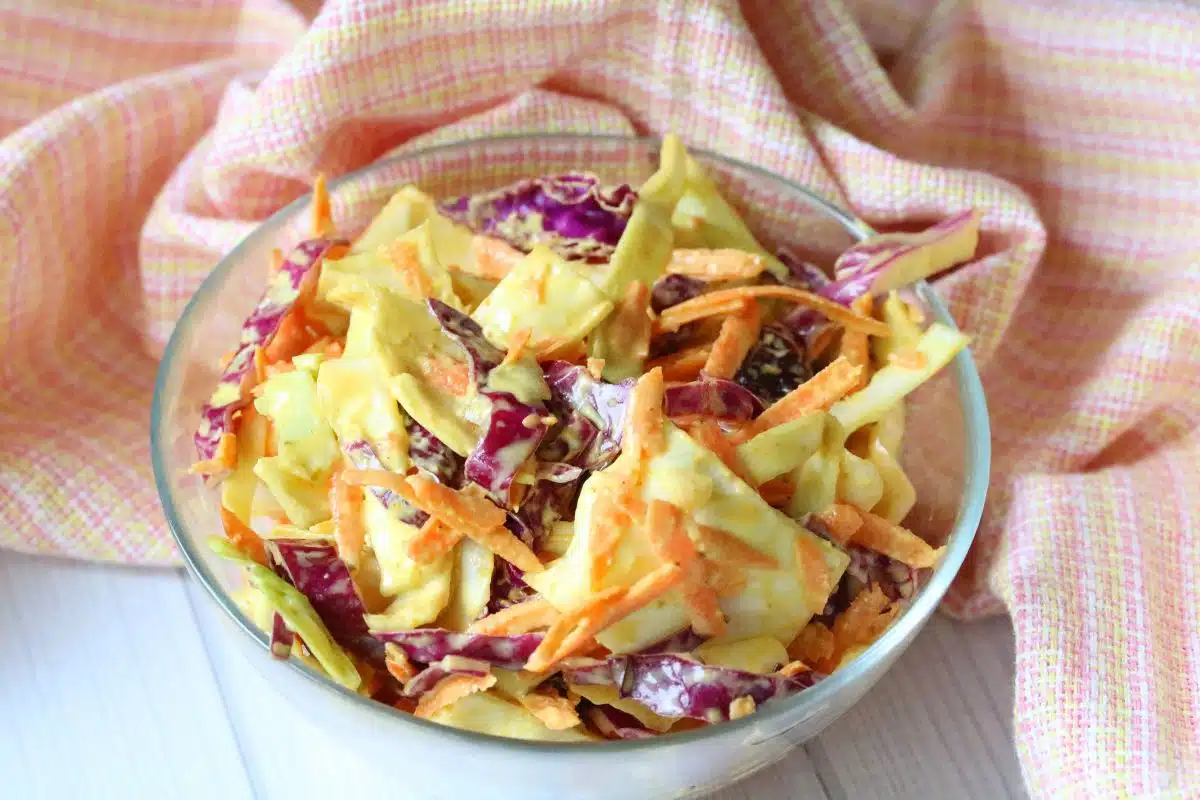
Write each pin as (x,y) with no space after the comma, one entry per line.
(112,685)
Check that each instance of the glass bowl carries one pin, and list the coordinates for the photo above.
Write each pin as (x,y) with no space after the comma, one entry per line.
(947,454)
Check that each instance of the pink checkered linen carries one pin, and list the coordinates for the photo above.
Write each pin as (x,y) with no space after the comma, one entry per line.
(145,139)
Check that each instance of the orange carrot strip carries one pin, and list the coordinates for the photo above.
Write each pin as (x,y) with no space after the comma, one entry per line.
(854,343)
(738,334)
(595,367)
(293,338)
(516,346)
(777,491)
(863,621)
(517,619)
(908,359)
(675,317)
(793,668)
(243,536)
(378,477)
(348,532)
(405,259)
(616,509)
(723,546)
(725,578)
(224,457)
(561,350)
(670,542)
(822,341)
(716,302)
(260,365)
(271,445)
(276,261)
(451,689)
(476,517)
(544,656)
(811,569)
(708,434)
(555,712)
(816,394)
(684,365)
(716,265)
(895,542)
(397,663)
(644,428)
(813,645)
(322,216)
(494,258)
(434,540)
(601,615)
(448,375)
(842,521)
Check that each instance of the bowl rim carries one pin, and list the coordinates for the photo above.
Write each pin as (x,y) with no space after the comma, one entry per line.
(977,439)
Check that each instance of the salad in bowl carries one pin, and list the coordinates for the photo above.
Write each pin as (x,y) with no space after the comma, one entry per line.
(568,461)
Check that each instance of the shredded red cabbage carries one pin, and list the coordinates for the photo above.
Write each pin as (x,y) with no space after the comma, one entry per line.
(362,456)
(514,431)
(315,569)
(482,355)
(430,645)
(430,454)
(281,638)
(711,397)
(576,393)
(675,686)
(294,277)
(573,214)
(427,678)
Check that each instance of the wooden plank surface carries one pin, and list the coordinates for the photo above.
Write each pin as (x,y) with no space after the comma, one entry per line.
(113,684)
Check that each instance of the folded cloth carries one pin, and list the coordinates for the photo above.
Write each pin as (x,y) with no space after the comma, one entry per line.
(144,140)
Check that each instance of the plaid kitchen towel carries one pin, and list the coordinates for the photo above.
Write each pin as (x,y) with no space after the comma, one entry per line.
(143,140)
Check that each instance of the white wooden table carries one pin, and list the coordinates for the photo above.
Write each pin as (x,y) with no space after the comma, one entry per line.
(112,685)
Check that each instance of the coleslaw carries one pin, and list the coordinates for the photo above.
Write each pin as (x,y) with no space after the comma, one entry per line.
(566,461)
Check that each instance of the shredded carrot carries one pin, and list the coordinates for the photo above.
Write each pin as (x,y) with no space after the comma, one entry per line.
(595,367)
(842,521)
(278,368)
(670,542)
(327,346)
(545,654)
(877,534)
(397,663)
(813,645)
(738,334)
(863,621)
(348,532)
(675,317)
(631,324)
(818,393)
(447,374)
(434,540)
(725,578)
(716,265)
(908,358)
(616,509)
(555,712)
(405,259)
(294,336)
(494,258)
(644,426)
(854,343)
(271,445)
(724,546)
(684,365)
(717,303)
(276,261)
(709,435)
(777,491)
(793,668)
(601,615)
(517,619)
(378,477)
(260,365)
(742,706)
(450,690)
(516,346)
(322,216)
(224,457)
(476,517)
(559,349)
(243,536)
(811,569)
